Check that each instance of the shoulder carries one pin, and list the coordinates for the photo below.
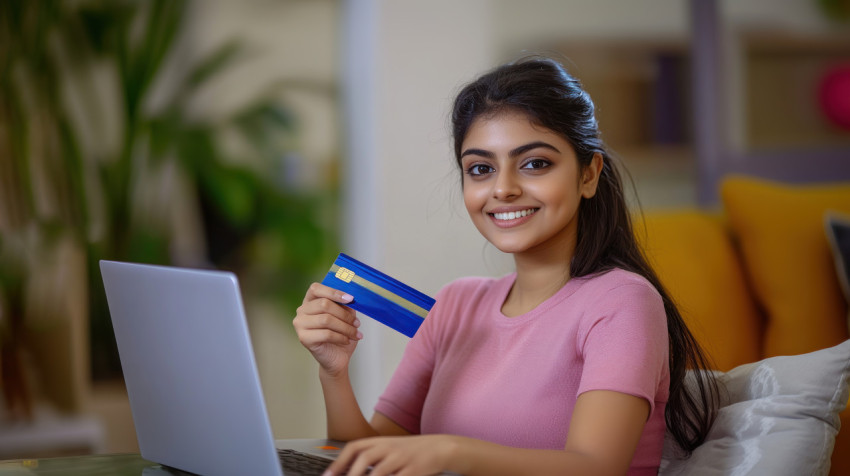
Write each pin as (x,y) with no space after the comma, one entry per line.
(459,304)
(469,297)
(623,314)
(470,286)
(618,282)
(622,298)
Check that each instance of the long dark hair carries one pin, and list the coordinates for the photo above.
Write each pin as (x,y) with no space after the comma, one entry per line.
(541,88)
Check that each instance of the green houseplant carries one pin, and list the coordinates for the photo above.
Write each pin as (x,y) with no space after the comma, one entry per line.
(57,61)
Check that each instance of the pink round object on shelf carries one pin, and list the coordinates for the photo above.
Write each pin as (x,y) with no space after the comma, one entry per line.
(834,95)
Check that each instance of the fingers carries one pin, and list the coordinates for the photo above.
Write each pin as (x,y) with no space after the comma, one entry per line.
(322,319)
(399,456)
(321,299)
(325,328)
(367,456)
(319,290)
(353,458)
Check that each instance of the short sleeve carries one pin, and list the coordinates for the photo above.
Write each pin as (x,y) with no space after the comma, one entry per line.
(404,397)
(623,342)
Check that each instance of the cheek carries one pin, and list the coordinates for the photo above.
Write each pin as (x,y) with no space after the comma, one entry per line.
(549,191)
(474,197)
(557,194)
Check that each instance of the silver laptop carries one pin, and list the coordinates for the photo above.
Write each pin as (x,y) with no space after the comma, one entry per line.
(190,373)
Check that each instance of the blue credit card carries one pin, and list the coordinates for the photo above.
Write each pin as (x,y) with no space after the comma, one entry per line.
(381,297)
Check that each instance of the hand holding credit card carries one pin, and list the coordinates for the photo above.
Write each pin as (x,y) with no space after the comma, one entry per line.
(381,297)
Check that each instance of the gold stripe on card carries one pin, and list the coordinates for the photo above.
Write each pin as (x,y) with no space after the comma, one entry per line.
(348,276)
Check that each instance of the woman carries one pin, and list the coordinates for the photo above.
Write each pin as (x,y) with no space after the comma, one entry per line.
(574,363)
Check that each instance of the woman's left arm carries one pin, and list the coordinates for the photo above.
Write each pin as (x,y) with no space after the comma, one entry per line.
(604,433)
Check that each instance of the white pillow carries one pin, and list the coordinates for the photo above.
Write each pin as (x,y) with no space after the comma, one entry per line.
(778,416)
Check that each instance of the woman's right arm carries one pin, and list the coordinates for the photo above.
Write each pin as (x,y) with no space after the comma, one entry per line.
(328,329)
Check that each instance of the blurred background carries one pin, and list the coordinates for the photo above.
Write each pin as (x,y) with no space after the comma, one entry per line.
(265,136)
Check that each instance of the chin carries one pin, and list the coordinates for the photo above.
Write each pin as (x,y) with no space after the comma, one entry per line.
(511,248)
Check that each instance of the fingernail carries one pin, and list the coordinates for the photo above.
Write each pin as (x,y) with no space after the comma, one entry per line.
(356,322)
(359,335)
(346,297)
(327,473)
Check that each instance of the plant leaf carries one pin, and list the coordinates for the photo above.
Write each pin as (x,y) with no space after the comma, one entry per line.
(214,63)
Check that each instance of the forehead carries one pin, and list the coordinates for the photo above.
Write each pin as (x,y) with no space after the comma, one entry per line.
(509,129)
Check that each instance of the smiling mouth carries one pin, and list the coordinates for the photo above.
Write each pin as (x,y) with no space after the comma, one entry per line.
(513,215)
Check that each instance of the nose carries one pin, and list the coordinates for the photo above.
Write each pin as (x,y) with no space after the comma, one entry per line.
(506,186)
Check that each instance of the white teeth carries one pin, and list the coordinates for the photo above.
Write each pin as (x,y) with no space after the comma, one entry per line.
(514,215)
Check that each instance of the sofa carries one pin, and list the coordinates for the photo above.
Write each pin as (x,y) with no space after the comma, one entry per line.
(760,276)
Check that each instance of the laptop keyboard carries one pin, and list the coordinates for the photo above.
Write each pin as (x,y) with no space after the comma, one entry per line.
(297,463)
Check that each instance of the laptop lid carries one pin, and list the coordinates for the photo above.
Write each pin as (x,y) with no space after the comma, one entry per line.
(189,368)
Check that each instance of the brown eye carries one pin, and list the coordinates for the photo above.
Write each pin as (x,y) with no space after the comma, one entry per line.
(479,169)
(536,164)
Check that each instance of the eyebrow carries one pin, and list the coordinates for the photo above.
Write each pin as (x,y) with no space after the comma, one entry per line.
(513,153)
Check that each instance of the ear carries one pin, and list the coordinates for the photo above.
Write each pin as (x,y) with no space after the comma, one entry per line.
(590,176)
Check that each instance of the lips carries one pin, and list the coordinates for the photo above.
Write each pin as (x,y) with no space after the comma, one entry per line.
(511,218)
(513,215)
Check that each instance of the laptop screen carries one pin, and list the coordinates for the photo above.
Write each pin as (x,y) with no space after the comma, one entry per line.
(189,369)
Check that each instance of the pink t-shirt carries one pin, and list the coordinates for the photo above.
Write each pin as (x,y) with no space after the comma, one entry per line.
(472,371)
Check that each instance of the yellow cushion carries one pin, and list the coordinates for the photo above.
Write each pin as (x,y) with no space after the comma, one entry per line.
(696,262)
(787,257)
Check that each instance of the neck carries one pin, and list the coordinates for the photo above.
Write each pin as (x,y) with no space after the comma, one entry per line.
(538,277)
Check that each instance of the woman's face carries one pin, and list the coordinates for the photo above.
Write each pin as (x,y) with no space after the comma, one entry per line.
(522,184)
